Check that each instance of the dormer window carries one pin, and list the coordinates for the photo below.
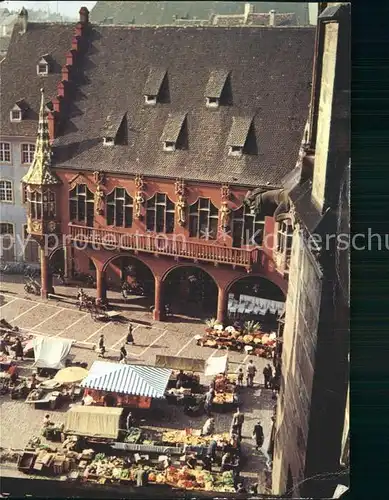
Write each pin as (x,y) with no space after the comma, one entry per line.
(175,133)
(109,141)
(16,115)
(151,100)
(115,129)
(241,139)
(169,146)
(42,68)
(217,90)
(235,151)
(155,87)
(212,102)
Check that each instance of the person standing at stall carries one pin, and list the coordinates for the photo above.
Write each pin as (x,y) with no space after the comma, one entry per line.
(19,350)
(240,377)
(237,423)
(209,427)
(250,373)
(209,400)
(267,376)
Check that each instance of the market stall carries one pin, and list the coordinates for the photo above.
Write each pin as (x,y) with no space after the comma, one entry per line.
(51,352)
(94,422)
(249,338)
(191,368)
(114,384)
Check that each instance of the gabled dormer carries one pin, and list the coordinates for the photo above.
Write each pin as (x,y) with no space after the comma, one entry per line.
(17,112)
(174,135)
(239,134)
(115,129)
(43,66)
(216,90)
(155,87)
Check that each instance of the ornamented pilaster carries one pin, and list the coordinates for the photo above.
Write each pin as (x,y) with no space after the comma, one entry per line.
(181,203)
(225,211)
(139,196)
(99,198)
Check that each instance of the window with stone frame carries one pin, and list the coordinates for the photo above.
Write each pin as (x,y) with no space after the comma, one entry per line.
(5,152)
(160,214)
(119,208)
(81,205)
(6,191)
(48,204)
(7,228)
(247,228)
(203,219)
(34,199)
(7,241)
(28,151)
(284,236)
(24,193)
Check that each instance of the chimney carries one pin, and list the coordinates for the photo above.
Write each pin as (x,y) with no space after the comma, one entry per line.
(272,18)
(248,9)
(23,20)
(75,41)
(65,73)
(84,15)
(70,58)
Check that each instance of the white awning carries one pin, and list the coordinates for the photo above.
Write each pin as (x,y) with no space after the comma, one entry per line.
(215,365)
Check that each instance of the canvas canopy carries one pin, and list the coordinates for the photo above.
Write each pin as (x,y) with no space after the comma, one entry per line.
(177,363)
(214,366)
(94,421)
(51,352)
(135,380)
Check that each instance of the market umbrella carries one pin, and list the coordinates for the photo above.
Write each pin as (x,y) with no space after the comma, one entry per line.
(71,375)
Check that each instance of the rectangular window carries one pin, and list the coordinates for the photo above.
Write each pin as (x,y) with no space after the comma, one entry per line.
(24,193)
(16,116)
(28,151)
(5,152)
(6,191)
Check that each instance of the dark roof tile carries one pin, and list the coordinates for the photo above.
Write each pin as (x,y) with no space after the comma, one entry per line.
(216,82)
(154,81)
(173,127)
(19,79)
(270,75)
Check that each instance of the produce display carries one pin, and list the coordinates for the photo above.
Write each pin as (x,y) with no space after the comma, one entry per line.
(262,344)
(183,437)
(108,467)
(223,398)
(199,479)
(134,435)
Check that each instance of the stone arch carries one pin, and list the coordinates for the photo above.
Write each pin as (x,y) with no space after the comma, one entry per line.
(197,297)
(123,255)
(190,264)
(256,275)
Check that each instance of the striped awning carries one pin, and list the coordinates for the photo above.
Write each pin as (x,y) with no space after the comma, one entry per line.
(136,380)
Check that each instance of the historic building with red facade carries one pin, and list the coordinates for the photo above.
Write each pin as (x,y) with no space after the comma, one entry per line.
(156,135)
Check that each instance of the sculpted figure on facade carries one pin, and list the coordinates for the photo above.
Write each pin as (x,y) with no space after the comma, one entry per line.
(181,202)
(225,211)
(138,198)
(99,197)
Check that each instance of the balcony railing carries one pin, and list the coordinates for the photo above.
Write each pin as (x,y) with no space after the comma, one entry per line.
(163,245)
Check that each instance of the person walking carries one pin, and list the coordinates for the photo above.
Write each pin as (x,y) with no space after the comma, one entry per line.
(101,346)
(130,336)
(250,373)
(240,377)
(123,354)
(237,423)
(267,376)
(258,435)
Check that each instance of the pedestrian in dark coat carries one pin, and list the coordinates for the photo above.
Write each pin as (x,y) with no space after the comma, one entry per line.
(19,349)
(237,423)
(258,435)
(267,375)
(123,354)
(130,336)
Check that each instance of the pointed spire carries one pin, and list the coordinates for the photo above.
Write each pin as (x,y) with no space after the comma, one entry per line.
(39,172)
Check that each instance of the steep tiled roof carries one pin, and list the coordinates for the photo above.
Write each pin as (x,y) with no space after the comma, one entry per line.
(19,79)
(162,13)
(270,78)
